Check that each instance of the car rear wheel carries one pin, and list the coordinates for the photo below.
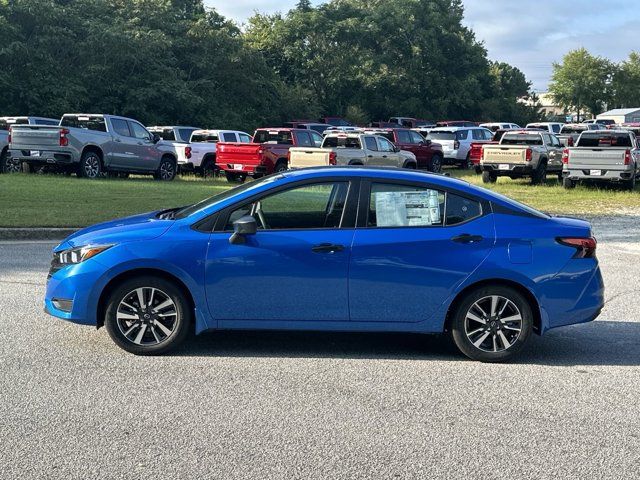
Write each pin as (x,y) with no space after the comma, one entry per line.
(233,177)
(631,184)
(281,166)
(90,165)
(539,175)
(166,170)
(436,164)
(492,324)
(467,163)
(147,316)
(489,177)
(10,164)
(568,183)
(209,169)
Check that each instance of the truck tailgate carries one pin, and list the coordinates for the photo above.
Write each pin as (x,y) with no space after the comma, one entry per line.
(308,157)
(498,154)
(238,153)
(596,157)
(34,136)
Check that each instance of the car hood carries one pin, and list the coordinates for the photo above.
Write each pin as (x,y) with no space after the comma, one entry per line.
(145,226)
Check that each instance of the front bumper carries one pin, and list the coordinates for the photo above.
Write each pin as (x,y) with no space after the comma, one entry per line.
(251,170)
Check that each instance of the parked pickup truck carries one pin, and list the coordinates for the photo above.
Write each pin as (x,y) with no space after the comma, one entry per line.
(352,149)
(176,134)
(605,155)
(524,153)
(4,151)
(199,154)
(266,154)
(475,152)
(428,154)
(91,145)
(570,132)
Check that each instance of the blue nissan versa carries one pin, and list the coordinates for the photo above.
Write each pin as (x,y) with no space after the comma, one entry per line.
(338,248)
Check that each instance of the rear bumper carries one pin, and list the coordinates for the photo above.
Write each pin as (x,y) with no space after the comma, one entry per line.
(513,170)
(585,174)
(44,156)
(250,170)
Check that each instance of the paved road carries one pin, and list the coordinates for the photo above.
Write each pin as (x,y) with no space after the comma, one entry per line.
(303,405)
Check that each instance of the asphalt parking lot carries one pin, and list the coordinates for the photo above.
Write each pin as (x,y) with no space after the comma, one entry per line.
(317,405)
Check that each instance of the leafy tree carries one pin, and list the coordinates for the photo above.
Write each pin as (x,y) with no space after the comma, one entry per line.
(582,82)
(626,82)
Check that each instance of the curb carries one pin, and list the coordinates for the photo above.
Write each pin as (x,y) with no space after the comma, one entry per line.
(35,233)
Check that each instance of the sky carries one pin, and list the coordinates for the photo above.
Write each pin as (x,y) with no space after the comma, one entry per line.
(529,34)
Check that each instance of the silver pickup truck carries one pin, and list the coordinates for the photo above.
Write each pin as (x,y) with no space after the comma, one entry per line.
(4,150)
(524,153)
(92,145)
(352,149)
(605,155)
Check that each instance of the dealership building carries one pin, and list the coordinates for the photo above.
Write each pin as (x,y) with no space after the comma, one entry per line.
(621,115)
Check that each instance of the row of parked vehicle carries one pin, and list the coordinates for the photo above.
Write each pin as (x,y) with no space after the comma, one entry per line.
(94,145)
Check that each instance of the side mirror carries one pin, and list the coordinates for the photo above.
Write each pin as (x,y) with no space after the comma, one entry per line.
(426,141)
(396,148)
(242,227)
(155,138)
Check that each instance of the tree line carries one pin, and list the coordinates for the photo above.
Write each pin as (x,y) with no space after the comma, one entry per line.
(178,62)
(590,84)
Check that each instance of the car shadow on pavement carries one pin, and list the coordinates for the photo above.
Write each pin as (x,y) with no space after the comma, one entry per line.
(596,343)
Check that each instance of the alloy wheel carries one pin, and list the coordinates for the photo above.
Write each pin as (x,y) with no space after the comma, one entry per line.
(166,170)
(12,165)
(92,167)
(436,164)
(493,323)
(147,316)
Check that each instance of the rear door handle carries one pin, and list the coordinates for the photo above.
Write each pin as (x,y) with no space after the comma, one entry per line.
(467,238)
(327,248)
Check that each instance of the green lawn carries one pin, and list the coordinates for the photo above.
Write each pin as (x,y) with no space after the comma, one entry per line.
(59,201)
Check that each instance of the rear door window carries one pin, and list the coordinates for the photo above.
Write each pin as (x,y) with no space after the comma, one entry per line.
(403,136)
(462,134)
(371,144)
(185,134)
(303,139)
(555,128)
(229,137)
(477,134)
(120,127)
(204,138)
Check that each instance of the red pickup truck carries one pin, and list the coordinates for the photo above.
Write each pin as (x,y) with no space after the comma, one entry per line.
(428,154)
(266,154)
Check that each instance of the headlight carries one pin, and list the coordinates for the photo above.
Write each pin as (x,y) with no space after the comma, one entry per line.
(80,254)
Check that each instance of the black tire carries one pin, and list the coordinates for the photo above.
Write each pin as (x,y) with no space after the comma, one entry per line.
(166,170)
(281,166)
(489,177)
(9,164)
(436,163)
(90,165)
(539,175)
(631,184)
(154,323)
(466,164)
(568,183)
(3,160)
(410,165)
(560,177)
(467,332)
(209,169)
(232,177)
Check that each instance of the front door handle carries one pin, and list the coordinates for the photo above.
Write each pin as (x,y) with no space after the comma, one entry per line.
(467,238)
(327,248)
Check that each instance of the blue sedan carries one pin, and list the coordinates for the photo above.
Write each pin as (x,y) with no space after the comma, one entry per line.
(341,248)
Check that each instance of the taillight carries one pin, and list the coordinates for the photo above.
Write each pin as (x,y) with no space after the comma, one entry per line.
(64,141)
(528,155)
(9,137)
(585,246)
(187,152)
(565,155)
(456,145)
(627,157)
(333,158)
(570,142)
(260,151)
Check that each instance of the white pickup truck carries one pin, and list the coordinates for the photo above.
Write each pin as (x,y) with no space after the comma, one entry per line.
(199,155)
(352,149)
(604,155)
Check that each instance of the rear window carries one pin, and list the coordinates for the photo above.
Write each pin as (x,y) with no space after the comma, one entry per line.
(6,124)
(164,134)
(521,139)
(282,137)
(88,122)
(442,135)
(341,142)
(604,140)
(204,138)
(573,129)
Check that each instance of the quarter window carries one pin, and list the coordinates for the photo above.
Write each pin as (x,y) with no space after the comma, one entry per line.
(306,207)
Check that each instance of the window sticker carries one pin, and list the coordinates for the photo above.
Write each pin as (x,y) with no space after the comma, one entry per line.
(407,209)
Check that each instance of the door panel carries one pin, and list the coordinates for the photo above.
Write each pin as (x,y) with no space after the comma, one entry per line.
(406,274)
(276,275)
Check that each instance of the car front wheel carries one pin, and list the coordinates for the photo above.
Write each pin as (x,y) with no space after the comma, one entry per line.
(147,316)
(492,324)
(436,164)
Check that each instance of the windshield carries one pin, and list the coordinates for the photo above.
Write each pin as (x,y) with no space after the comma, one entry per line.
(211,201)
(604,140)
(521,140)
